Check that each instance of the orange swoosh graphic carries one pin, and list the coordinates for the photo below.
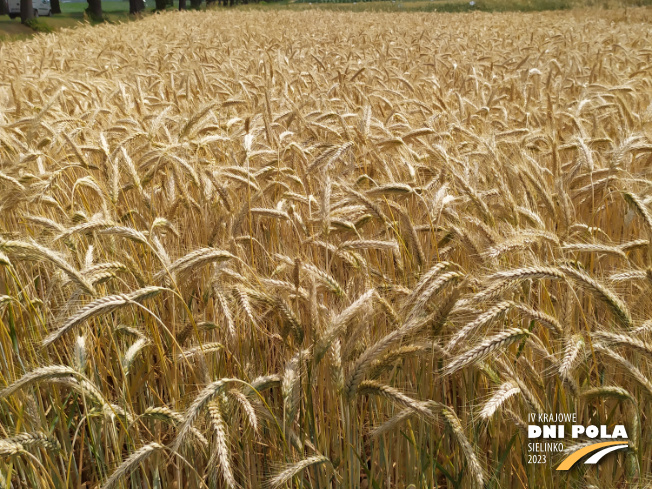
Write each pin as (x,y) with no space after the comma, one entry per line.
(569,461)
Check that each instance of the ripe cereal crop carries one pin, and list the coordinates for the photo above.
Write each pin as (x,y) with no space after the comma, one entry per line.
(267,249)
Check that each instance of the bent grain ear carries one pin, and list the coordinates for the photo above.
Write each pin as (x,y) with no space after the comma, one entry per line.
(4,263)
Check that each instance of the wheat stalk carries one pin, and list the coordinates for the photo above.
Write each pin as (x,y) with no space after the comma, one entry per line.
(502,394)
(488,346)
(101,306)
(130,464)
(284,476)
(220,453)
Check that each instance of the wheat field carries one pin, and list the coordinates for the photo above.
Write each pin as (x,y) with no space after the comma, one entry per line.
(317,249)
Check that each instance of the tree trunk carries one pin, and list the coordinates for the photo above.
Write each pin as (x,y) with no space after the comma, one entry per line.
(95,9)
(26,11)
(56,6)
(3,7)
(182,5)
(161,4)
(135,6)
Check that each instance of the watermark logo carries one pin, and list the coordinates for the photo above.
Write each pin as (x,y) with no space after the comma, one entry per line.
(600,449)
(550,434)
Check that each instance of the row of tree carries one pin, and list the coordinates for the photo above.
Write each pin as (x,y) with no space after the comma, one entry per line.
(27,9)
(136,6)
(94,9)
